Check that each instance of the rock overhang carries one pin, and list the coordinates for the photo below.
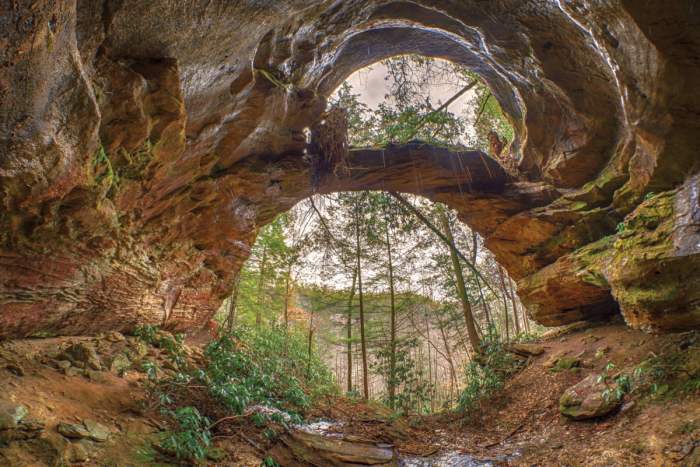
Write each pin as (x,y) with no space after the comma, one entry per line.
(599,93)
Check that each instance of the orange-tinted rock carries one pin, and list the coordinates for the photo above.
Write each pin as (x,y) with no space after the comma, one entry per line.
(142,146)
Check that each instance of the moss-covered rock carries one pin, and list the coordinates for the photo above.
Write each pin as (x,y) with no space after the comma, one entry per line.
(653,278)
(566,363)
(592,397)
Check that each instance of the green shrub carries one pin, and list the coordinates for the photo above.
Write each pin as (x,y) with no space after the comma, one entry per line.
(191,439)
(412,392)
(269,367)
(487,372)
(146,332)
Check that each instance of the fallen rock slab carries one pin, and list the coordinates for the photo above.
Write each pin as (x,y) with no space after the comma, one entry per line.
(526,350)
(89,429)
(302,448)
(97,431)
(73,430)
(592,397)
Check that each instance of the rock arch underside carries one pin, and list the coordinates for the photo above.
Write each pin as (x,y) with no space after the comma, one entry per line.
(143,143)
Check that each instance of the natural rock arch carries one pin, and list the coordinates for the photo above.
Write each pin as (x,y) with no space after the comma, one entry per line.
(200,148)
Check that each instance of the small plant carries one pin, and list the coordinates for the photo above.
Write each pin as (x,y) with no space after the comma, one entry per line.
(620,227)
(151,370)
(191,439)
(488,372)
(246,368)
(102,169)
(147,333)
(243,369)
(622,386)
(412,392)
(525,337)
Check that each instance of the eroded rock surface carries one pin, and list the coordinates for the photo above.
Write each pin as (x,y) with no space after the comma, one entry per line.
(142,144)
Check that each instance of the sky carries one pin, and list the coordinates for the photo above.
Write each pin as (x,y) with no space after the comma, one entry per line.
(371,85)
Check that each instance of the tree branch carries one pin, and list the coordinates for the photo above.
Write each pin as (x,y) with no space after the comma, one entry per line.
(447,103)
(404,202)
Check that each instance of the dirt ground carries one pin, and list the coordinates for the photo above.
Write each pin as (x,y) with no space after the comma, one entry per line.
(523,424)
(524,418)
(522,421)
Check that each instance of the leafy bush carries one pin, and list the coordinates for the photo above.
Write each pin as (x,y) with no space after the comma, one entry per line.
(412,393)
(191,439)
(249,367)
(267,367)
(487,372)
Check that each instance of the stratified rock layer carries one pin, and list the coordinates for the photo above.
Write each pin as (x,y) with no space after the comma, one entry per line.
(142,144)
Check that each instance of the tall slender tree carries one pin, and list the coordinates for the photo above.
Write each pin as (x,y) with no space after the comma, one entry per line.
(459,282)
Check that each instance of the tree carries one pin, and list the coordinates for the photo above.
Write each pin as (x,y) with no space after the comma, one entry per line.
(459,282)
(363,337)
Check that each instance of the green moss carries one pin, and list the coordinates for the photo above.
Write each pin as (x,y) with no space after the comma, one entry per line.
(566,363)
(593,259)
(102,168)
(133,166)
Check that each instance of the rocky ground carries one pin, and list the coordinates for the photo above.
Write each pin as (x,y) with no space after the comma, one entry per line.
(83,401)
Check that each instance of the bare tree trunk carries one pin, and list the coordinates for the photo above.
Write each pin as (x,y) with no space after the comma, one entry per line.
(448,351)
(349,329)
(392,342)
(461,290)
(261,278)
(475,249)
(358,252)
(505,301)
(232,303)
(516,321)
(311,337)
(286,297)
(526,320)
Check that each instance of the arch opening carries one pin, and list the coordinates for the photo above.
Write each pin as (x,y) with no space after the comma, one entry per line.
(212,122)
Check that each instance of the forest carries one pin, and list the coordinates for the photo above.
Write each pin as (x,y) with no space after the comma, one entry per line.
(310,233)
(393,293)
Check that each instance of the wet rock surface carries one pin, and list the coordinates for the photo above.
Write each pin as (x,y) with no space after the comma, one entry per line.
(141,147)
(325,443)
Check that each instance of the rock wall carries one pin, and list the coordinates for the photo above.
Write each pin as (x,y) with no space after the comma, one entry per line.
(142,144)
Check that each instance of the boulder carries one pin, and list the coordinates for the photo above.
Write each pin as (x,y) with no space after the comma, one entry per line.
(97,431)
(139,348)
(115,336)
(24,430)
(96,376)
(72,371)
(73,430)
(592,397)
(63,364)
(89,429)
(120,363)
(83,352)
(303,448)
(566,363)
(526,350)
(78,453)
(15,368)
(11,415)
